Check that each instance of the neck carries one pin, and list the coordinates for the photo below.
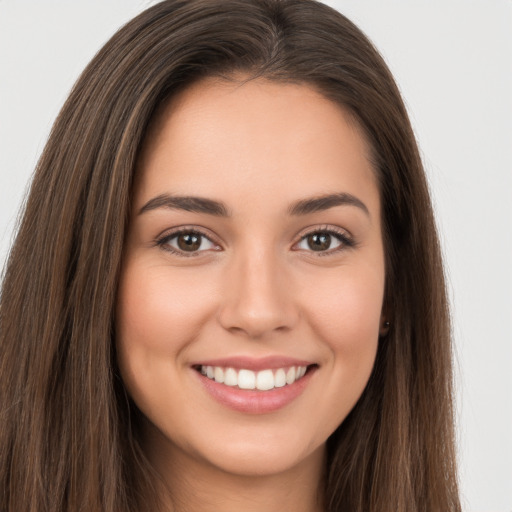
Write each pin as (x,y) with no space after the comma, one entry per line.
(190,484)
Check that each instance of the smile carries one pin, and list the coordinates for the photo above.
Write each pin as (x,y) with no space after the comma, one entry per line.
(263,380)
(255,386)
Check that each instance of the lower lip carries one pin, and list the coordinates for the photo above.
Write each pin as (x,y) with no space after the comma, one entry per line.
(254,401)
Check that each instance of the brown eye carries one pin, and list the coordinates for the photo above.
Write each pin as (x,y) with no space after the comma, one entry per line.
(325,241)
(189,241)
(319,241)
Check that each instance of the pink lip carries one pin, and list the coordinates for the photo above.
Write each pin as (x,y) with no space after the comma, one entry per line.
(254,401)
(254,364)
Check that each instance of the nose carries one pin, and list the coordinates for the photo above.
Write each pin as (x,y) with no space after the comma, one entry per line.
(257,299)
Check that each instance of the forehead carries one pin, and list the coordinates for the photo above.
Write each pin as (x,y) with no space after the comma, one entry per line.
(258,137)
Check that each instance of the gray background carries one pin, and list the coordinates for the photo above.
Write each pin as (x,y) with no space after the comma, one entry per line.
(453,62)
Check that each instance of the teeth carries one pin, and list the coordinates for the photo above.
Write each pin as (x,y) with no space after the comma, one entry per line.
(218,374)
(290,375)
(263,380)
(280,378)
(230,377)
(246,379)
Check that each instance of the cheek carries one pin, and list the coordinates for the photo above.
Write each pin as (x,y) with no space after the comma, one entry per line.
(160,311)
(351,298)
(345,311)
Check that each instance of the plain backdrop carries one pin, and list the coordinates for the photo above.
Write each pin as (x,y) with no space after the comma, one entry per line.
(453,62)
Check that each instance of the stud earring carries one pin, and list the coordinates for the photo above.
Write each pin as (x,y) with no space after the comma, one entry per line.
(385,328)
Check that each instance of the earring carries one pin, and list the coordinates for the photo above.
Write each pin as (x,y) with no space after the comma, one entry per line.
(385,328)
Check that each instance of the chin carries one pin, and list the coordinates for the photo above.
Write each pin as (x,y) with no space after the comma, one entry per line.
(261,454)
(263,463)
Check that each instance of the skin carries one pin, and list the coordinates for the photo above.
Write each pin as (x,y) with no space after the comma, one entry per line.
(257,288)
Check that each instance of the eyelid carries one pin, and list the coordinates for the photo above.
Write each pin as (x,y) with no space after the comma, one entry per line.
(167,235)
(344,236)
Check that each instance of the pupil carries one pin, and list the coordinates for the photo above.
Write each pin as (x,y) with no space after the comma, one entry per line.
(319,242)
(189,242)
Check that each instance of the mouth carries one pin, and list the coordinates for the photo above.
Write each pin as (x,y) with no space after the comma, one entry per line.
(262,380)
(255,387)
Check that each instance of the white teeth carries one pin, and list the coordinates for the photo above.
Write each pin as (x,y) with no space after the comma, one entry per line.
(218,374)
(246,379)
(280,378)
(263,380)
(290,375)
(230,377)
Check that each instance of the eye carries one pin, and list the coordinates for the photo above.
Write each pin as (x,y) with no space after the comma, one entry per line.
(324,241)
(186,242)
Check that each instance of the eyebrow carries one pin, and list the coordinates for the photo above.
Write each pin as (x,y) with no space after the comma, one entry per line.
(187,203)
(219,209)
(321,203)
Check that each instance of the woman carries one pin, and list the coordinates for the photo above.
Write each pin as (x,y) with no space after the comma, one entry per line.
(226,291)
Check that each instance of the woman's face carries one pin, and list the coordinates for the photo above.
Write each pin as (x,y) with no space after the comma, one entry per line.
(254,254)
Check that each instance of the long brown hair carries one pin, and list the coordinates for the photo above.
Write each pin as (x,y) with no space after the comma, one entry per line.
(68,438)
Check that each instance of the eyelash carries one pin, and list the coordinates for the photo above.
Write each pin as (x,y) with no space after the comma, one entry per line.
(346,242)
(165,239)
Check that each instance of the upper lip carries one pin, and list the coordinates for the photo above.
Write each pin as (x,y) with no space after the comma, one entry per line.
(255,364)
